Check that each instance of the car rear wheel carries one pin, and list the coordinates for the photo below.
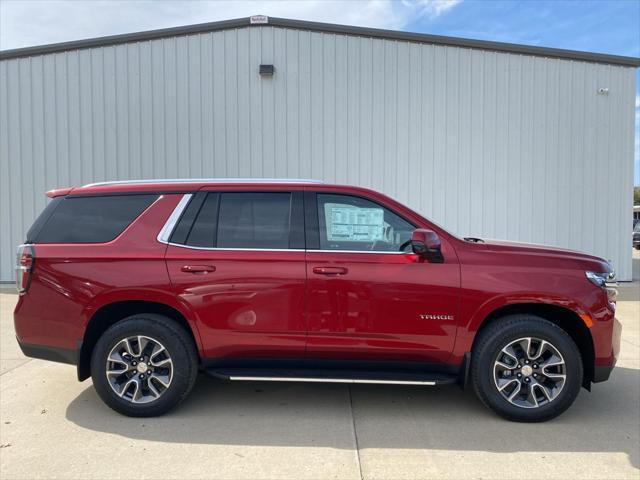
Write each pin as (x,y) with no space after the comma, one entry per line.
(144,365)
(526,368)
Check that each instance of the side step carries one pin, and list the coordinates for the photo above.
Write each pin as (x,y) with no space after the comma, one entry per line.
(331,376)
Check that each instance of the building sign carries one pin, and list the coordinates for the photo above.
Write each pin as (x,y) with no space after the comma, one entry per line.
(258,19)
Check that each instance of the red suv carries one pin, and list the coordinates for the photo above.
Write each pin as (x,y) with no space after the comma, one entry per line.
(142,284)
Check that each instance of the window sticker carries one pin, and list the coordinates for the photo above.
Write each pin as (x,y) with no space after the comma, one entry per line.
(348,223)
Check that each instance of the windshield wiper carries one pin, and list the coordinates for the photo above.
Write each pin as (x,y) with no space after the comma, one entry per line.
(473,239)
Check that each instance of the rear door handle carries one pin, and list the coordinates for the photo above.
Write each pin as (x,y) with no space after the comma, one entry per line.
(198,268)
(330,270)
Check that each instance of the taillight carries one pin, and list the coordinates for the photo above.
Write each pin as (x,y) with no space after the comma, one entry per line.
(24,267)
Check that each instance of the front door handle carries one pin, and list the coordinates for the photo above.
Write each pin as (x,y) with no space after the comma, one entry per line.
(198,269)
(330,270)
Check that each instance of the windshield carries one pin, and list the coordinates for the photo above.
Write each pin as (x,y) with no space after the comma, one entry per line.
(636,229)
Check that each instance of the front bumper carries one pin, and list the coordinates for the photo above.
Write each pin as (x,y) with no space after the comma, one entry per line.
(601,373)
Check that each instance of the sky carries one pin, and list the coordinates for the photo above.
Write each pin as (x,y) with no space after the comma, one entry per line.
(605,26)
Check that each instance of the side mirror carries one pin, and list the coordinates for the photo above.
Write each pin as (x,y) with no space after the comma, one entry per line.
(426,244)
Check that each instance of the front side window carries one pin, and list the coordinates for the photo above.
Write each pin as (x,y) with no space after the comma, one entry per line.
(353,223)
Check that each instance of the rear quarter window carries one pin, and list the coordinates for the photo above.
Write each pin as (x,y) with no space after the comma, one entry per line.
(92,219)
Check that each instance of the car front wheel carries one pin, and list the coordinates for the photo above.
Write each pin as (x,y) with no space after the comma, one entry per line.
(526,368)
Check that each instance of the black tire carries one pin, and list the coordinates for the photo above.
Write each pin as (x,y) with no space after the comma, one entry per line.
(179,346)
(500,334)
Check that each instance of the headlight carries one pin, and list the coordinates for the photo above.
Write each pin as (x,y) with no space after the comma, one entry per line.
(607,282)
(598,279)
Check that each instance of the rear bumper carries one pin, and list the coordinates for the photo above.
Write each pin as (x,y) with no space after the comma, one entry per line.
(601,373)
(46,352)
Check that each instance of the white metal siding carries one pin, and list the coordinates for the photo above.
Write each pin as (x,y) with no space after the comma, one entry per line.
(487,144)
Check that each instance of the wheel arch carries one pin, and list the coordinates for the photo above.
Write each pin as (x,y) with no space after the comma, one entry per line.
(111,313)
(565,318)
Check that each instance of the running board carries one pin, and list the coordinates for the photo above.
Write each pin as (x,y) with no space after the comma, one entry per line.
(333,380)
(331,376)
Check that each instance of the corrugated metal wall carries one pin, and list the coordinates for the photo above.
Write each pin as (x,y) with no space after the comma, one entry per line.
(487,144)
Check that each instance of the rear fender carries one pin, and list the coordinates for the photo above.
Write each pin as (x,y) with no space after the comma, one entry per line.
(144,295)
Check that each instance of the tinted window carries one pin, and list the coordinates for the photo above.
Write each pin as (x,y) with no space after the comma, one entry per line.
(32,233)
(354,223)
(92,219)
(203,232)
(254,220)
(183,227)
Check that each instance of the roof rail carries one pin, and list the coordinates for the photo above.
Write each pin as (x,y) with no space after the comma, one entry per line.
(203,180)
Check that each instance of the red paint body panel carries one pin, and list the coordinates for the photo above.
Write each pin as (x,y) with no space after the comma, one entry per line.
(251,305)
(59,192)
(373,311)
(283,304)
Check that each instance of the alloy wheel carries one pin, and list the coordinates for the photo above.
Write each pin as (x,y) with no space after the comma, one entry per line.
(529,372)
(139,369)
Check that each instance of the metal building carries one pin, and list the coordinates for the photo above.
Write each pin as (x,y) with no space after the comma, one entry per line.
(488,139)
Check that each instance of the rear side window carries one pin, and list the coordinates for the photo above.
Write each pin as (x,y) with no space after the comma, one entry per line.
(254,220)
(92,219)
(240,220)
(203,232)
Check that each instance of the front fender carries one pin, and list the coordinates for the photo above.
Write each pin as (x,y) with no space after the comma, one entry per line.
(468,330)
(542,298)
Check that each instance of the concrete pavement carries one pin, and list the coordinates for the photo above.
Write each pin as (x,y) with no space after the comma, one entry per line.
(51,426)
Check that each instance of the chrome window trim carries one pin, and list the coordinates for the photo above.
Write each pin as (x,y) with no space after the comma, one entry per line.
(169,225)
(359,251)
(238,249)
(283,250)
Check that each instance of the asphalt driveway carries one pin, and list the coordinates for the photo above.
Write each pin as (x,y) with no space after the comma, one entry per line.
(51,426)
